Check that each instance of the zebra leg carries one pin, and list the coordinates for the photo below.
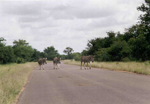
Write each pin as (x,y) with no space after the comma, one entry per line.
(90,65)
(84,66)
(40,67)
(81,65)
(57,66)
(87,65)
(53,65)
(43,66)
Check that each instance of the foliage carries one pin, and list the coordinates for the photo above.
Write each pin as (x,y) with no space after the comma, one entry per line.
(50,53)
(63,57)
(20,43)
(1,41)
(133,44)
(36,55)
(119,50)
(22,50)
(84,53)
(145,17)
(77,56)
(69,51)
(20,60)
(6,54)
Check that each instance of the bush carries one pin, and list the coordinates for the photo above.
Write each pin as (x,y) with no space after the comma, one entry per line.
(126,59)
(102,55)
(20,60)
(6,55)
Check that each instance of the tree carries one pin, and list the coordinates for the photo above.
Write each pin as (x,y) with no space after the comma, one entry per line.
(1,41)
(36,55)
(6,55)
(50,53)
(84,53)
(63,57)
(132,32)
(77,56)
(134,44)
(6,52)
(145,18)
(102,55)
(23,52)
(68,51)
(96,44)
(139,47)
(119,51)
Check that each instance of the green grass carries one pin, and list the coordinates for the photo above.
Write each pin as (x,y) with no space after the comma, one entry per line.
(12,79)
(135,67)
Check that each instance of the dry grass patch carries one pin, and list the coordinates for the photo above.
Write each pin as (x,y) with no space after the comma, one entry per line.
(135,67)
(12,79)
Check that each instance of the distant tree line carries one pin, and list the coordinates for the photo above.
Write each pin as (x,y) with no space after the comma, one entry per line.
(22,52)
(132,45)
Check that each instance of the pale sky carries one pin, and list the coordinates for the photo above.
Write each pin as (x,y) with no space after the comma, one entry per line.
(64,23)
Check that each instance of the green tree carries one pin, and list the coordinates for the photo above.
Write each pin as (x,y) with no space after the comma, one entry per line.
(63,57)
(2,41)
(96,44)
(119,51)
(6,55)
(119,36)
(102,55)
(23,52)
(36,55)
(139,48)
(42,55)
(6,52)
(93,45)
(50,53)
(69,51)
(20,42)
(145,17)
(134,44)
(77,56)
(132,32)
(84,53)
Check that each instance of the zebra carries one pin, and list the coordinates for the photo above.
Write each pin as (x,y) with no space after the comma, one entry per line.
(41,62)
(87,59)
(56,60)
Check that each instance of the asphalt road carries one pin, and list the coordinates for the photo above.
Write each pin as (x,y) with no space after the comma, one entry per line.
(70,85)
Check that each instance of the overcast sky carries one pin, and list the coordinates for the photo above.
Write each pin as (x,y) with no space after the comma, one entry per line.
(65,23)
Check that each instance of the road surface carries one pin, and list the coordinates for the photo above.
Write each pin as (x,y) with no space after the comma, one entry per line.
(70,85)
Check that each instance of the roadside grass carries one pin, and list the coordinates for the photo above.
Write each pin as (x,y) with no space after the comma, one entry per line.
(12,79)
(134,67)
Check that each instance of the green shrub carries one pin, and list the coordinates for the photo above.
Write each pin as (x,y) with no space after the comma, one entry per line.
(20,60)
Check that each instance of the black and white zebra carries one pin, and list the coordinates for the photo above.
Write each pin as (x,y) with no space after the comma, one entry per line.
(41,62)
(56,61)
